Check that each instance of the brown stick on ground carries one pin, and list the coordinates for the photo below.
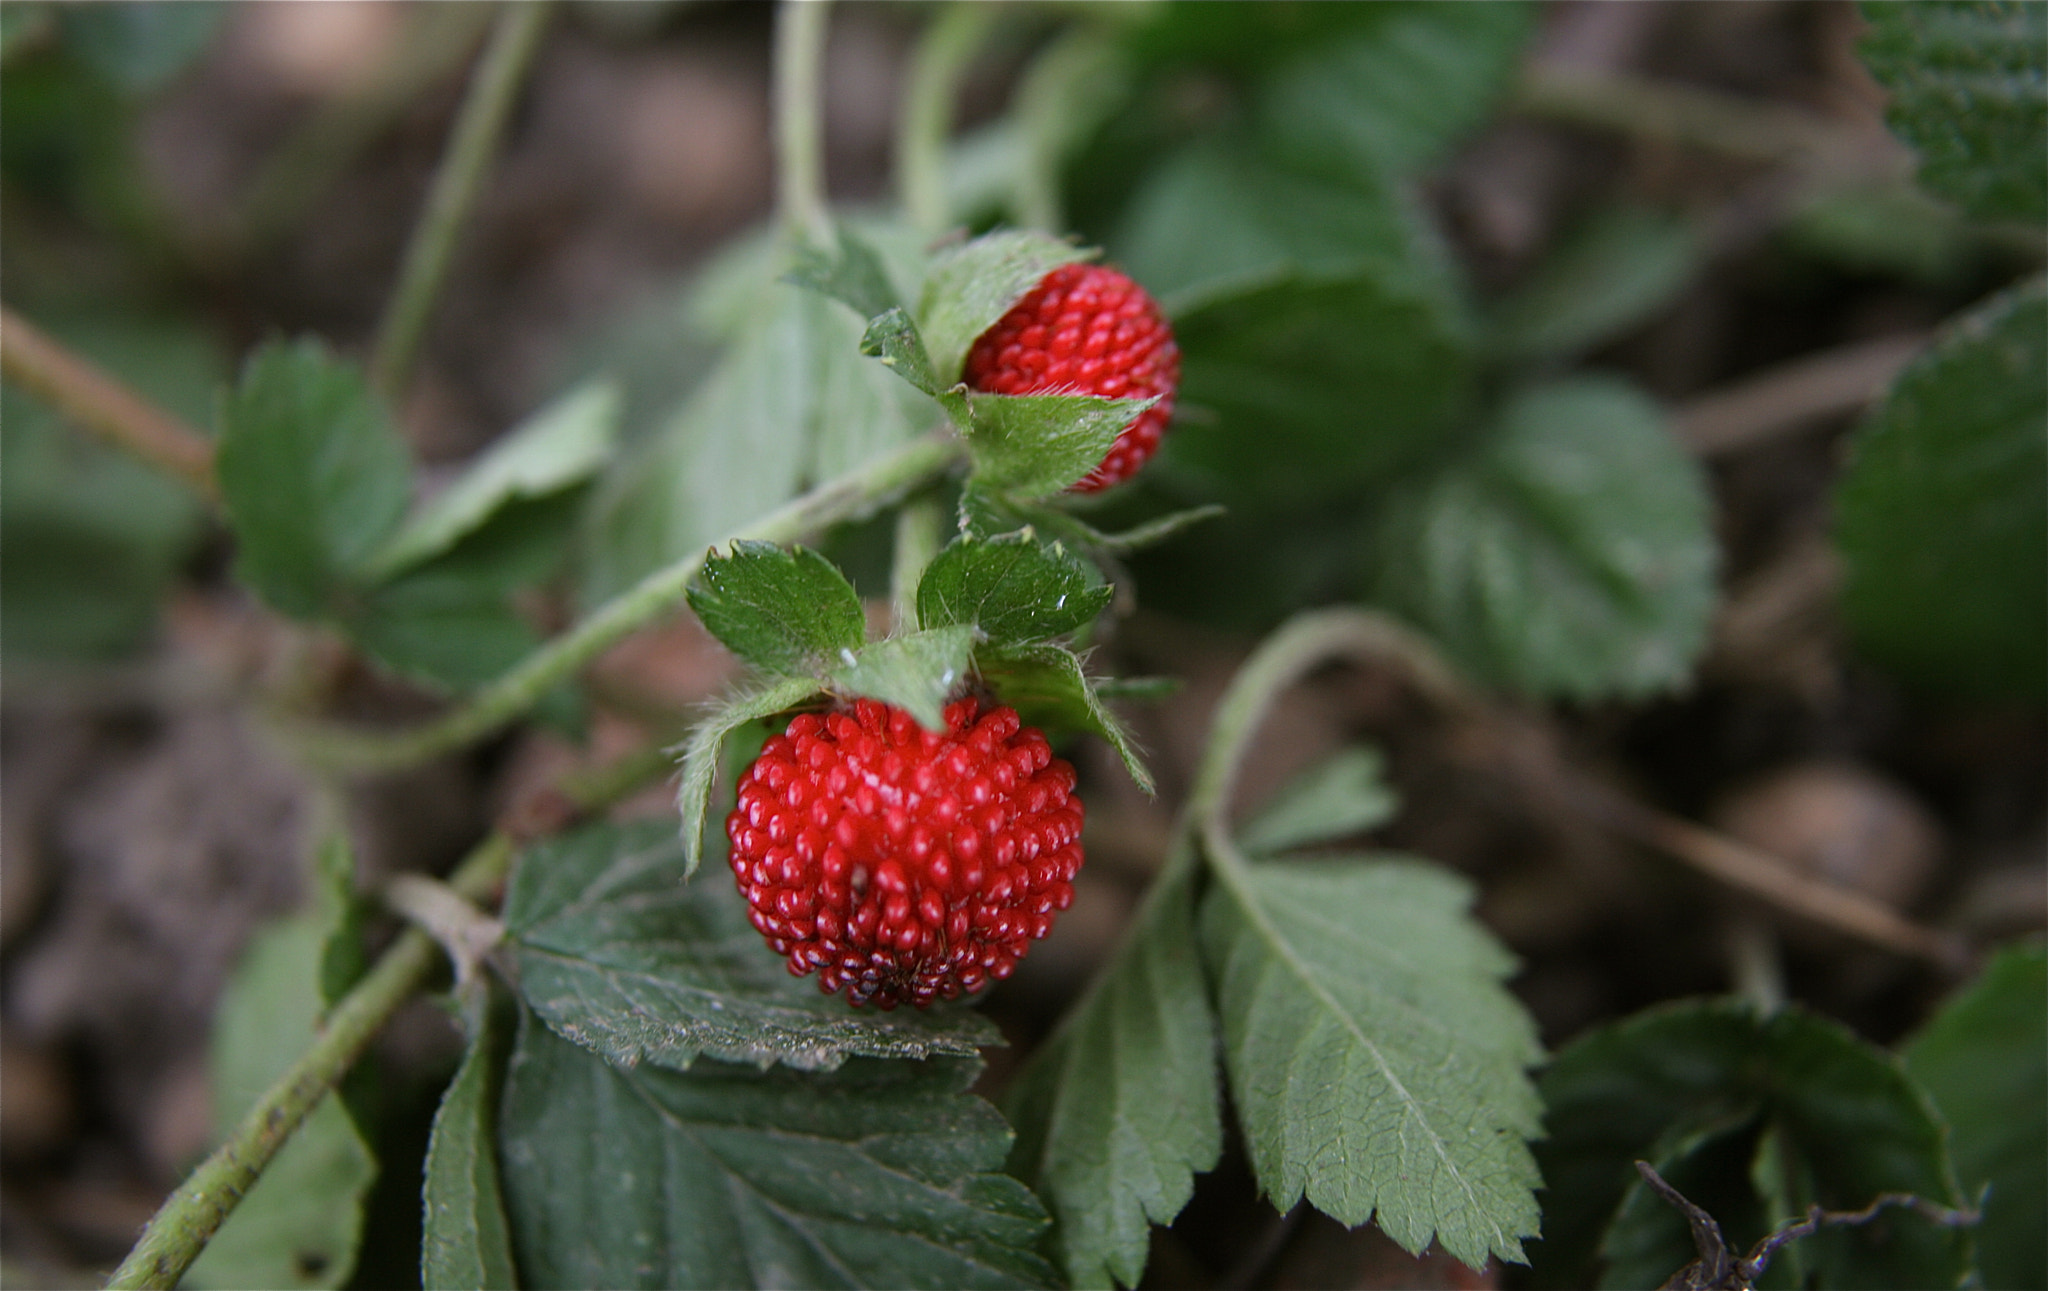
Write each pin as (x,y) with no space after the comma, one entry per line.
(1794,396)
(100,404)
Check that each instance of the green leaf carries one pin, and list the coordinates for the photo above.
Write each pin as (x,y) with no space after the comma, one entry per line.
(1375,1059)
(1050,690)
(972,285)
(1013,587)
(465,1242)
(1617,271)
(617,953)
(1849,1123)
(1714,1166)
(892,338)
(1120,1109)
(1344,794)
(440,630)
(1323,339)
(301,1224)
(562,445)
(1396,90)
(986,513)
(854,276)
(920,672)
(881,1174)
(1035,445)
(1984,1062)
(1567,553)
(1887,227)
(787,611)
(1942,515)
(313,476)
(1969,85)
(700,752)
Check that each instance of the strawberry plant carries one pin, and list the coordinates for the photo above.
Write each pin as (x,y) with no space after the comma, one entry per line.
(1188,338)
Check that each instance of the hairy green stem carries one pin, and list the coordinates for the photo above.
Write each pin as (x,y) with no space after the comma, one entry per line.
(186,1221)
(799,118)
(925,120)
(474,143)
(856,494)
(920,532)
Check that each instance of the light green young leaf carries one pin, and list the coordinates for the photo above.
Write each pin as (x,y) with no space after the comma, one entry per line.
(1013,587)
(881,1174)
(700,751)
(1984,1061)
(783,610)
(617,953)
(1566,553)
(465,1242)
(1612,274)
(312,473)
(1375,1059)
(301,1225)
(1344,794)
(1120,1109)
(1969,85)
(1942,515)
(919,673)
(563,444)
(972,285)
(1049,689)
(1035,445)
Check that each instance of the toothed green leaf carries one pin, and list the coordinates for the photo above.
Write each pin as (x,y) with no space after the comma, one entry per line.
(785,610)
(1013,587)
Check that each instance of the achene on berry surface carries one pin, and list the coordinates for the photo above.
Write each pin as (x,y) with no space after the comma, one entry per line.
(901,864)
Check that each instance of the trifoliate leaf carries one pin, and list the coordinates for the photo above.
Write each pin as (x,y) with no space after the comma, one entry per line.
(1943,511)
(1969,84)
(971,286)
(1376,1061)
(1849,1126)
(465,1242)
(1049,689)
(1342,795)
(313,474)
(1613,274)
(617,953)
(1984,1061)
(562,445)
(1013,587)
(700,752)
(785,610)
(1120,1109)
(1034,445)
(1567,552)
(881,1174)
(919,673)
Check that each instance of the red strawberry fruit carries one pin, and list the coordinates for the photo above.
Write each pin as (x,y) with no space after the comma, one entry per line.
(901,864)
(1086,329)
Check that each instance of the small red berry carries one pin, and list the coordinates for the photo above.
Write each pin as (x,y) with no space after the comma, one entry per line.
(901,864)
(1086,329)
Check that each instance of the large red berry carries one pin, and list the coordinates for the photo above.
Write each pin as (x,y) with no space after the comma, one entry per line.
(901,864)
(1086,329)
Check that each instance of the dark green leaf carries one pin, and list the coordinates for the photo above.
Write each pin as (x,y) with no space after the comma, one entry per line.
(920,673)
(1969,84)
(464,1241)
(986,513)
(617,953)
(1013,587)
(853,276)
(892,338)
(972,285)
(1943,512)
(301,1224)
(1375,1058)
(1984,1061)
(1120,1109)
(440,630)
(1566,553)
(562,445)
(139,46)
(783,610)
(1848,1123)
(881,1174)
(1035,445)
(1614,273)
(700,752)
(1712,1165)
(313,475)
(1344,794)
(1049,689)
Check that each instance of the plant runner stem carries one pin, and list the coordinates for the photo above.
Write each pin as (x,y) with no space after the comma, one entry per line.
(799,124)
(949,43)
(471,147)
